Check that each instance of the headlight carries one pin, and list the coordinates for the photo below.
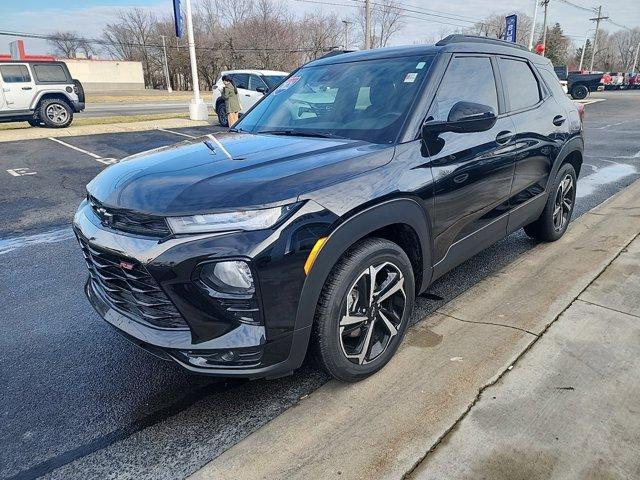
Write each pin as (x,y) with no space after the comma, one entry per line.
(230,221)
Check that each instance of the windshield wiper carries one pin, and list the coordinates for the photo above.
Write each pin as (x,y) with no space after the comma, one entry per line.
(300,133)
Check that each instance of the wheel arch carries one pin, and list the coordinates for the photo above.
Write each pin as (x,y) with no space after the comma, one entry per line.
(51,95)
(401,220)
(571,152)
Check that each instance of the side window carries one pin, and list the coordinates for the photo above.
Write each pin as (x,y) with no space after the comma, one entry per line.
(552,81)
(15,73)
(241,80)
(255,82)
(50,73)
(520,84)
(467,79)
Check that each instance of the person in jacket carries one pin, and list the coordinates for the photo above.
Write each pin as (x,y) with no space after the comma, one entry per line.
(231,101)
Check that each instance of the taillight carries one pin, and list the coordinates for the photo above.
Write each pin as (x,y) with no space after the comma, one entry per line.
(580,111)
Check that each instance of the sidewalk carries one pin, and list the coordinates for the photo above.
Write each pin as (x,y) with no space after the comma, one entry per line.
(526,335)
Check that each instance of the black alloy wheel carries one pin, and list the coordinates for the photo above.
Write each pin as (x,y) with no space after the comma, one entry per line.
(555,217)
(364,309)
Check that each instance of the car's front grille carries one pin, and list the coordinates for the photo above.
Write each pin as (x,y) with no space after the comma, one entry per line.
(130,222)
(129,288)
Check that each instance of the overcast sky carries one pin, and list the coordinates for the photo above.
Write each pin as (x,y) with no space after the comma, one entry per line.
(88,17)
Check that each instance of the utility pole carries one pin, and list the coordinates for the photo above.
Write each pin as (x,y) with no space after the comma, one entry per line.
(533,24)
(584,47)
(545,3)
(197,108)
(595,36)
(165,65)
(346,33)
(635,60)
(367,24)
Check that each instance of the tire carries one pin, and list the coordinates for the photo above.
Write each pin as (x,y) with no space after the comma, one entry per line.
(55,113)
(221,111)
(579,92)
(552,224)
(339,339)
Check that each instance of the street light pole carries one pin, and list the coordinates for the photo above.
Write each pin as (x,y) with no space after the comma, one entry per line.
(584,46)
(346,33)
(533,25)
(197,108)
(635,60)
(367,24)
(165,65)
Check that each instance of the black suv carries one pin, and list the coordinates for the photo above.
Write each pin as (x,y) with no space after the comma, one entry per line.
(339,197)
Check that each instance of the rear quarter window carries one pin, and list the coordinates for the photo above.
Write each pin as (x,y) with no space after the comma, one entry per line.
(552,81)
(50,73)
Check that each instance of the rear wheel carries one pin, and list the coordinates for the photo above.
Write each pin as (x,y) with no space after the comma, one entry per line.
(221,111)
(579,92)
(55,113)
(554,220)
(364,309)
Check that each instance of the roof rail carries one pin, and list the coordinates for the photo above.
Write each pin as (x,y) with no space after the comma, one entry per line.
(475,39)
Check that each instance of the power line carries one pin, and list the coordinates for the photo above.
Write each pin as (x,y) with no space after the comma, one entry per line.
(586,9)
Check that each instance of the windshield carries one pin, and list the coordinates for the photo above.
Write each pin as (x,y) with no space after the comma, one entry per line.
(363,100)
(273,81)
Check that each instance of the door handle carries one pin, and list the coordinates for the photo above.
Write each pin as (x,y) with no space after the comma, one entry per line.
(247,95)
(558,120)
(27,88)
(504,137)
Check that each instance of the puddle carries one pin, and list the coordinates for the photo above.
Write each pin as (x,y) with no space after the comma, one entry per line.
(54,236)
(589,184)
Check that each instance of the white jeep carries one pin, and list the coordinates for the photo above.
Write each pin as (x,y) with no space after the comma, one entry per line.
(252,85)
(39,93)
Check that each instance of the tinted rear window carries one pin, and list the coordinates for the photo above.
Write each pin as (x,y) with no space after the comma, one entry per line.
(50,73)
(520,84)
(15,73)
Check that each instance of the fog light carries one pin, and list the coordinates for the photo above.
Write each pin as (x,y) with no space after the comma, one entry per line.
(232,276)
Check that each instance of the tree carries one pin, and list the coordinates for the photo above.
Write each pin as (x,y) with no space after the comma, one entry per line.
(558,45)
(495,26)
(386,21)
(69,45)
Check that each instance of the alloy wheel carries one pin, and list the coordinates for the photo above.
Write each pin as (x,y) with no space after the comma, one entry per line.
(565,198)
(57,113)
(373,310)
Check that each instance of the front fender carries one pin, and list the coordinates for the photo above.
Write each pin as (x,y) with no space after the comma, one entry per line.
(357,226)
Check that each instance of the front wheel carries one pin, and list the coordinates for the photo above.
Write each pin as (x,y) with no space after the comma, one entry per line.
(364,310)
(554,220)
(221,111)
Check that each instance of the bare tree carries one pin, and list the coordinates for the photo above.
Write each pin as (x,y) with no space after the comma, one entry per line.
(69,44)
(495,26)
(386,21)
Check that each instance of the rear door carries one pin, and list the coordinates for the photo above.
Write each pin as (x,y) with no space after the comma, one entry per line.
(541,128)
(254,95)
(472,171)
(18,86)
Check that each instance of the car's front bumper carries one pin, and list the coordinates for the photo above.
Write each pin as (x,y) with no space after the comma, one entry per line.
(212,344)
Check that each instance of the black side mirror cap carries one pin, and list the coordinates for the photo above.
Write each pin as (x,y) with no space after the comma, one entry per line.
(464,117)
(261,89)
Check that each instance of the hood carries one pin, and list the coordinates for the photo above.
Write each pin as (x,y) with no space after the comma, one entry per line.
(231,171)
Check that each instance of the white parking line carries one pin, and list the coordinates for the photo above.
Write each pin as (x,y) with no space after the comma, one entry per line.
(53,236)
(176,133)
(75,148)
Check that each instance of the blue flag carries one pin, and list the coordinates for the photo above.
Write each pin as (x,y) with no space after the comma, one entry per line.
(512,27)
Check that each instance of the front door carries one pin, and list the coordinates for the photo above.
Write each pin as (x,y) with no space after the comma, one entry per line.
(17,86)
(472,171)
(255,83)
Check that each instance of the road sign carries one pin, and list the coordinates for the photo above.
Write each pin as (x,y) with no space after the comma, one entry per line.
(177,17)
(512,27)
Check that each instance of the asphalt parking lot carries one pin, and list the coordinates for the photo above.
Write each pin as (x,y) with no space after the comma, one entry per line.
(78,401)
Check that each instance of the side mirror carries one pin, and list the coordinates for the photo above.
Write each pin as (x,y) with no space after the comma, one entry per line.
(262,90)
(464,117)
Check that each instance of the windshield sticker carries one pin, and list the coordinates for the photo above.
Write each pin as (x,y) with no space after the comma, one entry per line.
(411,77)
(420,65)
(288,83)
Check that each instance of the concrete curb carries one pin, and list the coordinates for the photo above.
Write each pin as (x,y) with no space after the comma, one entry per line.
(78,130)
(384,426)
